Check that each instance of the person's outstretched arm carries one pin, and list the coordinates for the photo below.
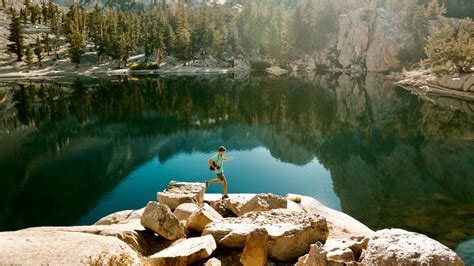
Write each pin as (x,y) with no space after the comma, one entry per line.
(228,158)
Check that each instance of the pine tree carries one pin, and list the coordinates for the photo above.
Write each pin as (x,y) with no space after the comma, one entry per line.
(77,41)
(45,40)
(16,37)
(434,9)
(28,56)
(183,32)
(39,50)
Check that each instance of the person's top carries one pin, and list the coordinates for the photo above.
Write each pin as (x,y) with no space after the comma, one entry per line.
(219,161)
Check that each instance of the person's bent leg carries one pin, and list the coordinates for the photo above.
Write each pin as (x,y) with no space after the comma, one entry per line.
(214,181)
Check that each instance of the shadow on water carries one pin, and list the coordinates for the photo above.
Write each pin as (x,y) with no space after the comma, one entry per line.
(394,160)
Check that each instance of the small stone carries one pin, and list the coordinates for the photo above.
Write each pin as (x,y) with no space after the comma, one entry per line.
(213,262)
(159,218)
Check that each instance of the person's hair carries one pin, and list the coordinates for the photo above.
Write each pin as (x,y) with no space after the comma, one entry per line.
(222,148)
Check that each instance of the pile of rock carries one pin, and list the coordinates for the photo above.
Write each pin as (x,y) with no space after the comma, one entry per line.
(185,226)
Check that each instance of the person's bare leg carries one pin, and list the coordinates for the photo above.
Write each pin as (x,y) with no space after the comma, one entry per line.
(213,181)
(224,186)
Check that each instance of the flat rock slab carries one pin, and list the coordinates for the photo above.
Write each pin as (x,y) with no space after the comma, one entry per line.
(159,218)
(178,193)
(400,247)
(120,217)
(290,232)
(185,252)
(50,246)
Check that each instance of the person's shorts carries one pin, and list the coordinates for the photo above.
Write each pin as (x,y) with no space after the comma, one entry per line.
(221,177)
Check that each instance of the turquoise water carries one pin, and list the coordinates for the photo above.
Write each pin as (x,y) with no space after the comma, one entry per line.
(262,173)
(73,151)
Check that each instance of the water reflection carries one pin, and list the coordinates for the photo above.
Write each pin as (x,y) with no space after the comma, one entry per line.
(394,160)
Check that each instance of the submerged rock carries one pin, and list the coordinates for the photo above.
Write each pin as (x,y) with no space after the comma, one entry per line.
(178,193)
(277,71)
(185,252)
(400,247)
(159,218)
(290,233)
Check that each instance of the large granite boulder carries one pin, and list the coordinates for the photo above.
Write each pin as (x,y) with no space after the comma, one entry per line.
(178,193)
(159,218)
(201,217)
(400,247)
(341,225)
(263,202)
(120,217)
(256,248)
(46,246)
(183,211)
(290,233)
(185,252)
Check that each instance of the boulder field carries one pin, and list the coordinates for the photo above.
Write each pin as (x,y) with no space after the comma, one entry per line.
(185,226)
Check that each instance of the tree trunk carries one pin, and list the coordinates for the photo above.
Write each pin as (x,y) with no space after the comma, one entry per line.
(158,57)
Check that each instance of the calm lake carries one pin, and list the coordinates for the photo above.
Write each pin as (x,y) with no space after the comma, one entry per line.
(73,151)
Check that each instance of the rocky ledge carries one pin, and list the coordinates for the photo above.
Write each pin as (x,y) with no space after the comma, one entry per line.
(185,226)
(425,84)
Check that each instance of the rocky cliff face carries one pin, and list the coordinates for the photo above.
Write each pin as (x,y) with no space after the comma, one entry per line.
(368,39)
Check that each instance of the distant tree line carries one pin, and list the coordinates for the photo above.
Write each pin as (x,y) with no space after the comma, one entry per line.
(275,30)
(263,28)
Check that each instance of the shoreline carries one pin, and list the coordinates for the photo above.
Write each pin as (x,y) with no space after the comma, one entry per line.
(250,227)
(426,85)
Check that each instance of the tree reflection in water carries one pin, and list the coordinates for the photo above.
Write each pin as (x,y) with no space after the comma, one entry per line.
(395,160)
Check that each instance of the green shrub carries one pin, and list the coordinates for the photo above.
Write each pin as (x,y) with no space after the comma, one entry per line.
(454,50)
(150,66)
